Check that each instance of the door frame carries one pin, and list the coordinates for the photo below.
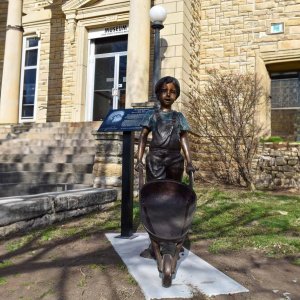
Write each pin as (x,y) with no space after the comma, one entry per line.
(92,35)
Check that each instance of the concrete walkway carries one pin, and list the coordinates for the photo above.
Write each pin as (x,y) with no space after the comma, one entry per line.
(193,274)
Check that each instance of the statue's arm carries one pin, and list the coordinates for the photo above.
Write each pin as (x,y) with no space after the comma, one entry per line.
(142,145)
(186,151)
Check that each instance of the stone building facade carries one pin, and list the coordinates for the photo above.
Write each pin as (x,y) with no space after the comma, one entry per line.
(67,81)
(257,36)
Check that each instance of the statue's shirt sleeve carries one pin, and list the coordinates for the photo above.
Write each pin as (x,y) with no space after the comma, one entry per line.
(183,123)
(148,120)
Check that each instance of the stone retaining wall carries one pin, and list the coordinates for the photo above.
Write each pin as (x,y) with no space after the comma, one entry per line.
(27,212)
(277,165)
(107,168)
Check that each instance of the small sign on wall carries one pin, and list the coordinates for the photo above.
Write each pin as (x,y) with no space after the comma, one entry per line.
(108,31)
(277,27)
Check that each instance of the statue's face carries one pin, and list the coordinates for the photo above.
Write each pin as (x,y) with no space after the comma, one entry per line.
(167,95)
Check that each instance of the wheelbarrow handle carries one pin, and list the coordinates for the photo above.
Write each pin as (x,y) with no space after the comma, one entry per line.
(191,179)
(141,176)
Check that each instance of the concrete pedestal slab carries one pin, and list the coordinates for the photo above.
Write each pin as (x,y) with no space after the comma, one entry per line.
(193,274)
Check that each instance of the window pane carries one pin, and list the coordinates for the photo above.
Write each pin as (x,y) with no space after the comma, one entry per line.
(102,105)
(32,42)
(122,72)
(285,93)
(29,83)
(28,99)
(31,57)
(104,73)
(27,111)
(30,76)
(111,44)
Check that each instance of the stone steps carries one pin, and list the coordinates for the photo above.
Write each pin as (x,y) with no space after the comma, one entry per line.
(69,142)
(55,136)
(50,167)
(44,177)
(34,149)
(43,154)
(48,158)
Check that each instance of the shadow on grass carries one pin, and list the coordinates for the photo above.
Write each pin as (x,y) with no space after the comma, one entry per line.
(237,220)
(40,244)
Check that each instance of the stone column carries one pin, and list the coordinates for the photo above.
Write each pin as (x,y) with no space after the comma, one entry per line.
(9,101)
(138,52)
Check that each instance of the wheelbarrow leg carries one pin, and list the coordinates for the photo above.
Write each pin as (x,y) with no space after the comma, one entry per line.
(156,250)
(176,256)
(167,270)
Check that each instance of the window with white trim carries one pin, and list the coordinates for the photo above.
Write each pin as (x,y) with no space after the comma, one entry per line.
(29,78)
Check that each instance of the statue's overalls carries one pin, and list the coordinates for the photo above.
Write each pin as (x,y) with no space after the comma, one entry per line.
(164,160)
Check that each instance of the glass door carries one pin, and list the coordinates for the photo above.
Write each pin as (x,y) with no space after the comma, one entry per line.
(107,77)
(103,87)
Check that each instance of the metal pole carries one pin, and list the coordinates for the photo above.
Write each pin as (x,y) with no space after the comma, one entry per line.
(156,59)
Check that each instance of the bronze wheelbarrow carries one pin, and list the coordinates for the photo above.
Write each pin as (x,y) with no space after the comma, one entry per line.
(167,208)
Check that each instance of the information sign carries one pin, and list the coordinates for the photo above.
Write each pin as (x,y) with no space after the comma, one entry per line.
(123,120)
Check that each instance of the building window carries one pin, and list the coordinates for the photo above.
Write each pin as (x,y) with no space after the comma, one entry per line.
(285,103)
(29,78)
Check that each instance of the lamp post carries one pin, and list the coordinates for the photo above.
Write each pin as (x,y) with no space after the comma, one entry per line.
(157,15)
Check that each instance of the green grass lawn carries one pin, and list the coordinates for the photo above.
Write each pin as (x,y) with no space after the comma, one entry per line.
(230,219)
(236,220)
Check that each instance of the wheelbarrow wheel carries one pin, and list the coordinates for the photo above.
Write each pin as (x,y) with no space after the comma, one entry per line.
(167,270)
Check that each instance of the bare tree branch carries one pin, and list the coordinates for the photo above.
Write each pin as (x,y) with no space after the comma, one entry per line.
(224,116)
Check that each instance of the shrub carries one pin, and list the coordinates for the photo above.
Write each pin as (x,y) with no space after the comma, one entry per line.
(223,117)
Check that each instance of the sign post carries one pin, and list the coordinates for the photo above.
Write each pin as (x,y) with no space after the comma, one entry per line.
(127,184)
(126,121)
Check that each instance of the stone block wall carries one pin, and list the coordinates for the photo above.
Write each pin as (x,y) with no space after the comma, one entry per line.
(233,34)
(107,168)
(277,165)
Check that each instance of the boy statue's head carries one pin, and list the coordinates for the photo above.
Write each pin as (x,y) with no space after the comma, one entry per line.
(164,81)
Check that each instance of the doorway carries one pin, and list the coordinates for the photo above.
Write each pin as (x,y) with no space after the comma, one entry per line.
(107,68)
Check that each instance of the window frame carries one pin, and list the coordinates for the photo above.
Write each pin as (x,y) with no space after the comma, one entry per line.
(23,69)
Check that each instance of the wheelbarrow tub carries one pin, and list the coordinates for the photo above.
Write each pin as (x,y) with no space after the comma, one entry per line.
(167,209)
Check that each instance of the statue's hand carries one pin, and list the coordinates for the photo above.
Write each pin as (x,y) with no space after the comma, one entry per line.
(139,165)
(190,168)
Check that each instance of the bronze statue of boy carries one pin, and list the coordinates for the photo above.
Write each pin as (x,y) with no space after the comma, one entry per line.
(169,136)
